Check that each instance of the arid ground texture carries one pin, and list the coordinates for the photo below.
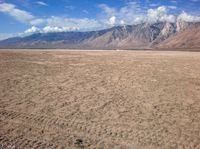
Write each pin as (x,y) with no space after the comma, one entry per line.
(99,99)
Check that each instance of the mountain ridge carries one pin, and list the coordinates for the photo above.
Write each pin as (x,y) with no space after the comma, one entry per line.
(140,36)
(188,38)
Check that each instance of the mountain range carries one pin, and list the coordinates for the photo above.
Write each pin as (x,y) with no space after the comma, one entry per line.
(160,35)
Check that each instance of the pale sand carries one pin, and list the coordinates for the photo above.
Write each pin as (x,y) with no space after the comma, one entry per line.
(100,99)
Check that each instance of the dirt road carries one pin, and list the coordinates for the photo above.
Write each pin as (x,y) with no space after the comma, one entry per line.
(110,99)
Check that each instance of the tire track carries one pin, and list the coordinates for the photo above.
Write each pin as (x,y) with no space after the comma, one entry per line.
(91,134)
(7,141)
(90,130)
(64,124)
(60,140)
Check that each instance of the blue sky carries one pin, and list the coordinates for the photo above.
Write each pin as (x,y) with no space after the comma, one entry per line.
(19,17)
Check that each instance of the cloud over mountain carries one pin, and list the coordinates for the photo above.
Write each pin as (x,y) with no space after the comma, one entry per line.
(188,18)
(131,13)
(160,14)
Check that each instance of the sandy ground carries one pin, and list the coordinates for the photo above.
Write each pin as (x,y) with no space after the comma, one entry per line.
(111,99)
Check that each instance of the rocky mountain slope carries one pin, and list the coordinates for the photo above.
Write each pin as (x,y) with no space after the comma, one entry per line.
(139,36)
(188,38)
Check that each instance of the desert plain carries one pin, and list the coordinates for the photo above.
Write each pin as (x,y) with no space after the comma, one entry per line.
(99,99)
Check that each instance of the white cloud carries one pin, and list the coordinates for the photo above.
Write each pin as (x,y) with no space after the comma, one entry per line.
(37,22)
(20,15)
(41,3)
(112,21)
(172,7)
(131,13)
(122,22)
(160,14)
(82,24)
(6,35)
(128,13)
(139,19)
(188,18)
(108,10)
(31,30)
(49,29)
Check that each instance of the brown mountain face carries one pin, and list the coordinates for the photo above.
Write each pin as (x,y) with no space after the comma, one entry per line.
(141,36)
(119,37)
(126,37)
(188,38)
